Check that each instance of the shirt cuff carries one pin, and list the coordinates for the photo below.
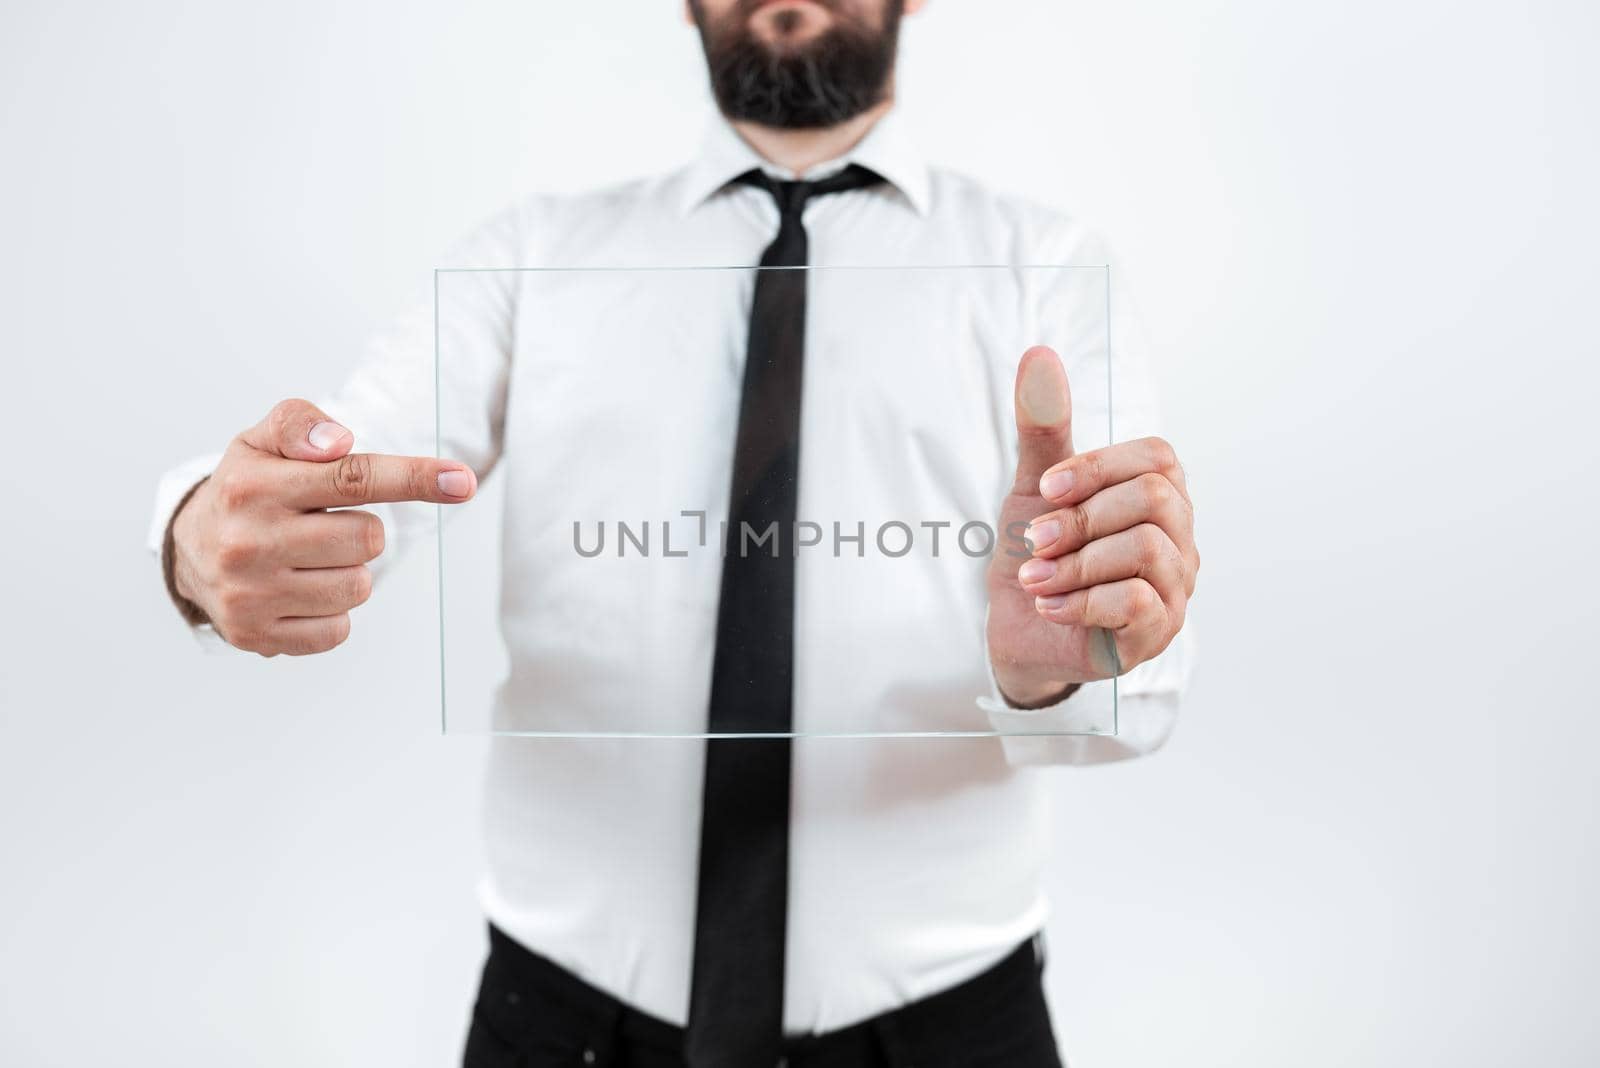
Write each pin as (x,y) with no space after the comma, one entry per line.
(170,490)
(1099,722)
(1089,709)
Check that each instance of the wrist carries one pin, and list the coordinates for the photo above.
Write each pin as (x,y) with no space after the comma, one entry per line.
(176,571)
(1025,693)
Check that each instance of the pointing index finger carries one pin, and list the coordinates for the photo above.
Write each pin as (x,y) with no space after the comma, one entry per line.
(373,478)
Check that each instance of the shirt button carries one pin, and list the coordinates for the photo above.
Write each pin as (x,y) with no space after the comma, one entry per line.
(588,1056)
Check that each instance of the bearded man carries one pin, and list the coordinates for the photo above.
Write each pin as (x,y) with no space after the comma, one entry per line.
(755,898)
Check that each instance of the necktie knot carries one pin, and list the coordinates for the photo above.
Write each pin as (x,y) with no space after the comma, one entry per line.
(791,197)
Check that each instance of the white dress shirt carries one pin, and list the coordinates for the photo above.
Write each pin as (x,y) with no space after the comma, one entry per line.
(914,864)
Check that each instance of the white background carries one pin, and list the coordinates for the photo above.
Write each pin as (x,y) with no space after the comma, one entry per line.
(1363,236)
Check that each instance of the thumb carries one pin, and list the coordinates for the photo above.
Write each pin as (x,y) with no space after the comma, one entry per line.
(1044,417)
(298,430)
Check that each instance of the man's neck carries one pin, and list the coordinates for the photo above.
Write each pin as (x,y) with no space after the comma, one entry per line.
(800,150)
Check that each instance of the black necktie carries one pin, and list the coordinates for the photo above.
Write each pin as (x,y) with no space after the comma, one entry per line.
(736,996)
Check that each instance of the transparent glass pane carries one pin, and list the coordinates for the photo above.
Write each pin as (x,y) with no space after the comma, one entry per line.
(579,595)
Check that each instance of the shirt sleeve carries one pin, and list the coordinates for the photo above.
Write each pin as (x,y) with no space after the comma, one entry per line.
(426,386)
(1142,705)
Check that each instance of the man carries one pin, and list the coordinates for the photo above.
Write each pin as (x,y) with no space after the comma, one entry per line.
(750,901)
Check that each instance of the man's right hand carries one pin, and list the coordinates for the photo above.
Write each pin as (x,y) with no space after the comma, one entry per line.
(256,549)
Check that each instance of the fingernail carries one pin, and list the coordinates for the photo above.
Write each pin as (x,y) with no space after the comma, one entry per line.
(326,434)
(1050,604)
(1056,484)
(1042,534)
(1036,571)
(455,483)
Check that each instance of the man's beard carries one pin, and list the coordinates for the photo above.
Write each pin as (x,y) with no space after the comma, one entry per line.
(841,73)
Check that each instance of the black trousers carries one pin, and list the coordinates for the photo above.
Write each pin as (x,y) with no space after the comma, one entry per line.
(532,1013)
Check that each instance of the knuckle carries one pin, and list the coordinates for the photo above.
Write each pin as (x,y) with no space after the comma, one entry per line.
(347,589)
(1162,455)
(1069,572)
(1079,523)
(1156,491)
(1142,600)
(287,409)
(1111,604)
(352,476)
(1093,467)
(330,635)
(244,636)
(285,416)
(237,550)
(236,487)
(1191,574)
(418,485)
(1085,574)
(233,604)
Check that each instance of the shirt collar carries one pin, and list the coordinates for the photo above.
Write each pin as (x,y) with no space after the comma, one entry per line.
(886,149)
